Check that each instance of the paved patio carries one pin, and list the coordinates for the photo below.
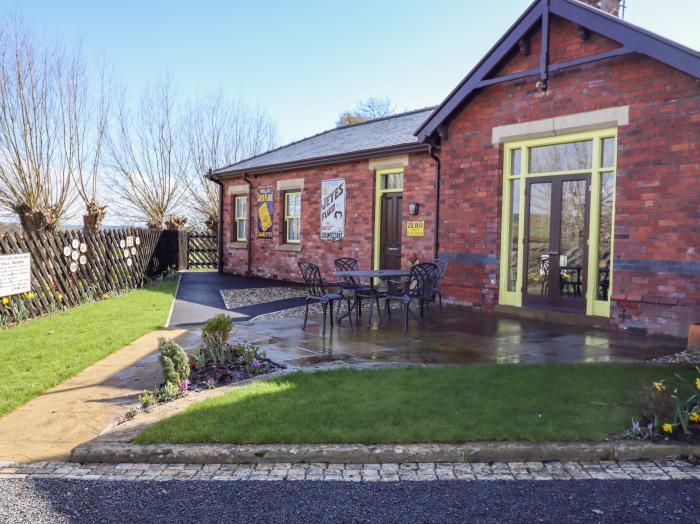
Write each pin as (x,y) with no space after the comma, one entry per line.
(455,336)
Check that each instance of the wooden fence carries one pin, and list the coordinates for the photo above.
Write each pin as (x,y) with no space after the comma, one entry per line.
(69,268)
(201,250)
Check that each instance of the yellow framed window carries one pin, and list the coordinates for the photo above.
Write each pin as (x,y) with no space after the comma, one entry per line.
(292,217)
(591,153)
(240,217)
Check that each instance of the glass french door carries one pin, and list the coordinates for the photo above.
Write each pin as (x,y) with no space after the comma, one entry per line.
(556,250)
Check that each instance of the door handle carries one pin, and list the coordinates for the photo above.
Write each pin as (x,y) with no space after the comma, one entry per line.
(392,249)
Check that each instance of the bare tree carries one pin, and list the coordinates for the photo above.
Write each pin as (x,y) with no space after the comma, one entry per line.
(147,157)
(220,132)
(37,89)
(88,119)
(367,109)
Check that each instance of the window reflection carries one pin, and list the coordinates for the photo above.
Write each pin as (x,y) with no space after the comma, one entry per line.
(392,181)
(608,153)
(607,190)
(513,241)
(561,157)
(572,241)
(540,213)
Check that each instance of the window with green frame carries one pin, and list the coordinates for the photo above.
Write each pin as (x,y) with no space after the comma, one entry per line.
(240,218)
(292,217)
(589,152)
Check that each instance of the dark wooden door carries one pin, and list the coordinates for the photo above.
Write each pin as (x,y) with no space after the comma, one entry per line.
(556,251)
(390,231)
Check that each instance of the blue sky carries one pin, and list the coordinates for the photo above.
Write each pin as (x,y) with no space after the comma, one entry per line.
(306,62)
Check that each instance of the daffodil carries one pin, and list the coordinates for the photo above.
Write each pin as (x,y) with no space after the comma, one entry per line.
(660,386)
(30,294)
(695,417)
(6,300)
(668,428)
(60,297)
(697,383)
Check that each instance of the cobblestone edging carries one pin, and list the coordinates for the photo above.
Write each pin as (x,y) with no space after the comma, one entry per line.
(112,451)
(387,472)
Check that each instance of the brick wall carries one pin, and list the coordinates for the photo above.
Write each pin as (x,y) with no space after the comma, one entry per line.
(267,261)
(657,223)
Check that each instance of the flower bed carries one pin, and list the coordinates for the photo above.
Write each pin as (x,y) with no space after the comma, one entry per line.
(216,363)
(670,410)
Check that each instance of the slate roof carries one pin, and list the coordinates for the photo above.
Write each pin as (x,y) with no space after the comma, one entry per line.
(394,132)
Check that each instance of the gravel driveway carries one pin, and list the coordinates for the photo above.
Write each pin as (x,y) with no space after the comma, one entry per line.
(45,500)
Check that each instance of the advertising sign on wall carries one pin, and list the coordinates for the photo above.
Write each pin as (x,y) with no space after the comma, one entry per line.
(265,202)
(415,228)
(333,209)
(15,274)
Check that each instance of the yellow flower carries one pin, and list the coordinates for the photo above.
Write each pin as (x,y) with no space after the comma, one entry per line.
(695,417)
(30,294)
(668,428)
(660,386)
(697,383)
(60,297)
(105,296)
(5,301)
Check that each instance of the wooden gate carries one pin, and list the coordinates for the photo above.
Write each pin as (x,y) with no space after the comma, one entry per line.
(201,250)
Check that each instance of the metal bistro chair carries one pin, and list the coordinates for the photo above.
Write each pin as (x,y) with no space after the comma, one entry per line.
(439,277)
(419,287)
(319,289)
(358,290)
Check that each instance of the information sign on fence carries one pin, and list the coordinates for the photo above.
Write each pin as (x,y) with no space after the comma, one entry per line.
(15,274)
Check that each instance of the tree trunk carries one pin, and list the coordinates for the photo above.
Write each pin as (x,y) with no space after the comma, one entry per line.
(34,220)
(92,219)
(212,223)
(175,223)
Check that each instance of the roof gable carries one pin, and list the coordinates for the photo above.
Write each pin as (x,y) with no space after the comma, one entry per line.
(631,38)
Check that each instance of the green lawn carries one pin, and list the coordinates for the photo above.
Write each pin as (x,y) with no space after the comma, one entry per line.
(42,353)
(447,404)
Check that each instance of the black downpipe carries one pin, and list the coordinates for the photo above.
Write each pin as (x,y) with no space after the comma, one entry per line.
(436,244)
(250,222)
(220,229)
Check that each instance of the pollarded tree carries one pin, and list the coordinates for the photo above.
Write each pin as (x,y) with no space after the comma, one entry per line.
(148,157)
(37,148)
(367,109)
(220,132)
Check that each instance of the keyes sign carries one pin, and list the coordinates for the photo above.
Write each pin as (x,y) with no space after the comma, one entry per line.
(333,209)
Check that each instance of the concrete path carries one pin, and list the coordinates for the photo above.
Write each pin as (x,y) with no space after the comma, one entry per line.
(82,407)
(199,298)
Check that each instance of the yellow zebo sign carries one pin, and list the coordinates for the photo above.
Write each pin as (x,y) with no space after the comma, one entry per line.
(415,228)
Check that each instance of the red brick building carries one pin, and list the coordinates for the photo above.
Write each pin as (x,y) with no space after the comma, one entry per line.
(563,173)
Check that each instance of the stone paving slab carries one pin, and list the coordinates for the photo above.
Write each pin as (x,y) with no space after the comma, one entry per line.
(387,472)
(82,407)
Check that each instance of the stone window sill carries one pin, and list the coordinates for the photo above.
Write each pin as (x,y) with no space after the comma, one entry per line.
(288,247)
(237,245)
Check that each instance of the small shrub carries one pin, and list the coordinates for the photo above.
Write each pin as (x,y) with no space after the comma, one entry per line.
(167,392)
(173,359)
(668,408)
(147,399)
(215,335)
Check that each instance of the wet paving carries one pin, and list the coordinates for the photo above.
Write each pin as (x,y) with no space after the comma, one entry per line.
(455,336)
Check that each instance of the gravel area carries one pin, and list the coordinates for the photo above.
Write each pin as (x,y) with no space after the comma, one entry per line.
(84,501)
(235,298)
(682,357)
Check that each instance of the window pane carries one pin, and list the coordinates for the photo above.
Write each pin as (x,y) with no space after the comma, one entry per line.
(561,157)
(392,181)
(572,240)
(293,229)
(513,241)
(538,238)
(241,207)
(608,154)
(293,205)
(607,189)
(240,229)
(515,162)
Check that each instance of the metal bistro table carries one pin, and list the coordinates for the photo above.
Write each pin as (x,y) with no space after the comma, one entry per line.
(381,274)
